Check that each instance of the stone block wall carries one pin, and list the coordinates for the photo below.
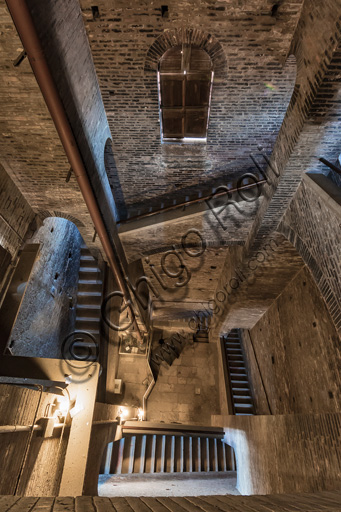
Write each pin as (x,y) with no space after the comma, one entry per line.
(133,371)
(47,311)
(187,392)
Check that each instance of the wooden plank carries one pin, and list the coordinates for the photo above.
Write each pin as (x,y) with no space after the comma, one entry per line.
(103,504)
(121,505)
(154,505)
(64,504)
(212,500)
(288,504)
(171,505)
(193,504)
(7,501)
(208,506)
(43,505)
(137,505)
(258,503)
(242,503)
(84,504)
(24,504)
(333,498)
(318,500)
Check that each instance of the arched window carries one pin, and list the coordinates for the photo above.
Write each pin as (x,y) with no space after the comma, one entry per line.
(185,77)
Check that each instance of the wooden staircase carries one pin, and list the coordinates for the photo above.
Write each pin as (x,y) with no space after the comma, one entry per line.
(168,449)
(242,401)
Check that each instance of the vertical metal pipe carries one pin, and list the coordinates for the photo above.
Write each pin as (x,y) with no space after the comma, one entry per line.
(24,24)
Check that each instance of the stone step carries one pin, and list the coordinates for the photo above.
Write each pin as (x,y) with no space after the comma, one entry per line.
(235,377)
(234,351)
(92,308)
(243,407)
(89,298)
(89,319)
(88,264)
(235,357)
(232,345)
(90,285)
(87,259)
(239,371)
(236,364)
(94,332)
(242,399)
(239,384)
(239,391)
(89,272)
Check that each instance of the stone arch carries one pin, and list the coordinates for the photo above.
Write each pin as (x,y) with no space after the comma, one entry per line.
(87,231)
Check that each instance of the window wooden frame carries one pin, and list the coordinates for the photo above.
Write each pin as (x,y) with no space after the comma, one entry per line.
(185,78)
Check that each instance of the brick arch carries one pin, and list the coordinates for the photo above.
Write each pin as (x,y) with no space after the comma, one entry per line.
(193,36)
(44,214)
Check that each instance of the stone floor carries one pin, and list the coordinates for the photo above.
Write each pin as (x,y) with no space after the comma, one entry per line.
(177,484)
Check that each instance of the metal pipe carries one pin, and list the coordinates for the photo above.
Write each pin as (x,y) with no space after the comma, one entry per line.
(192,201)
(330,165)
(9,429)
(150,386)
(24,24)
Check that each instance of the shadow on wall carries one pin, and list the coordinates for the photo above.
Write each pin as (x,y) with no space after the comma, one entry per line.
(114,180)
(47,310)
(285,453)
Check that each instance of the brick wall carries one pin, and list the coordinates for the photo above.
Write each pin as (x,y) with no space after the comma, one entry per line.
(312,224)
(311,126)
(294,349)
(29,146)
(15,215)
(249,99)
